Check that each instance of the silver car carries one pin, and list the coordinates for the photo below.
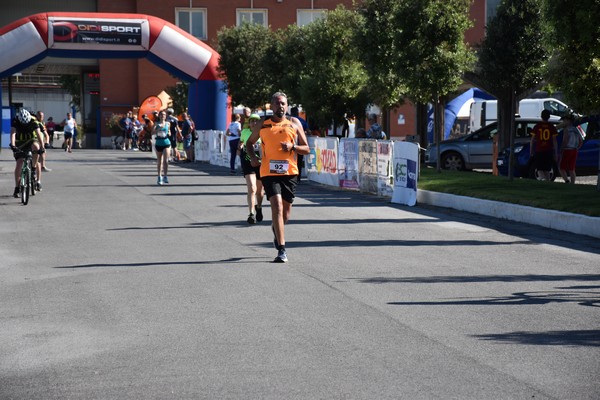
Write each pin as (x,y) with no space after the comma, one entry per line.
(474,151)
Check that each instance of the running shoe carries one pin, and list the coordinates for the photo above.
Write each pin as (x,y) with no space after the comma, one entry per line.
(45,169)
(251,219)
(38,186)
(159,181)
(165,179)
(16,193)
(259,214)
(281,256)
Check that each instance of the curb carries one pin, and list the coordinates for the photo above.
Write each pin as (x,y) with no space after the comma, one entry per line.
(558,220)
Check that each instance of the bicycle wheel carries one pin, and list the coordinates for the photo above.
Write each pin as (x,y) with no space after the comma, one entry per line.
(25,183)
(31,177)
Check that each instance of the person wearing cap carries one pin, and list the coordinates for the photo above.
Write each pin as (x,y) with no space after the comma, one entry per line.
(571,142)
(544,146)
(175,134)
(251,174)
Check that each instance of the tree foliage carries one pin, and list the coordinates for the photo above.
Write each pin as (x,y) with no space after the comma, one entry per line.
(512,60)
(575,66)
(244,63)
(179,95)
(380,52)
(434,55)
(72,84)
(333,81)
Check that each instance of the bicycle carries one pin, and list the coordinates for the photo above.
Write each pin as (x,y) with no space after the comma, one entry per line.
(26,185)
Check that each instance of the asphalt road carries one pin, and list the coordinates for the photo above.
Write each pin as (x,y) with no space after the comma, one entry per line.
(112,287)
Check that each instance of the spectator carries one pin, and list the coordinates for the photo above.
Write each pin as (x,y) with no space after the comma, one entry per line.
(187,131)
(544,146)
(175,134)
(375,131)
(571,142)
(126,124)
(233,135)
(51,128)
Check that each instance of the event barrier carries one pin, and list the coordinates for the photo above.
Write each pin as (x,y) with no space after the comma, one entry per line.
(382,167)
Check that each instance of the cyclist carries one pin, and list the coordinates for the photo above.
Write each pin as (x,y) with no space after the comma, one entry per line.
(25,135)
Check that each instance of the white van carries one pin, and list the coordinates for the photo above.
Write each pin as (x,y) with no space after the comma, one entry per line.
(485,112)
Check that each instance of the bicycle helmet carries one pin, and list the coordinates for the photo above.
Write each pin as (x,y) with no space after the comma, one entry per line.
(23,116)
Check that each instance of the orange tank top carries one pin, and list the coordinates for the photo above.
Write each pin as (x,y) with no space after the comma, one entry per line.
(276,161)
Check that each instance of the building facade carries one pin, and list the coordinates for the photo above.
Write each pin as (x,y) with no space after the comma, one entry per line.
(116,85)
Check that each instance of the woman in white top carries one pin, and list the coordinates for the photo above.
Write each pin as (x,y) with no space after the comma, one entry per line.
(233,134)
(69,126)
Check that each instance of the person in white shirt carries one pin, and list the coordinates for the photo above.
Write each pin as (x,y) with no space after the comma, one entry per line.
(69,125)
(233,135)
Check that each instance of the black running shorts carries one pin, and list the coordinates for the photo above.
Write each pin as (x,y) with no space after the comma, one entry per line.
(284,185)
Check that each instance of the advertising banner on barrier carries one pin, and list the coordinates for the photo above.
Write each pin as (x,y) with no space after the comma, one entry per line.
(322,161)
(348,163)
(201,146)
(385,180)
(406,164)
(367,166)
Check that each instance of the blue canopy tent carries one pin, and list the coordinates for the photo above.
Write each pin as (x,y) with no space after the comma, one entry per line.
(452,110)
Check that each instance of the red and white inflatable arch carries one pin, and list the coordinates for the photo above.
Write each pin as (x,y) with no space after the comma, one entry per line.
(101,35)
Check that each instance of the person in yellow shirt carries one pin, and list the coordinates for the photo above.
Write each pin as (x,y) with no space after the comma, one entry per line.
(282,139)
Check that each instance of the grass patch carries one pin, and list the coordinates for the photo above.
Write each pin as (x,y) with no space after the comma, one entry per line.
(578,199)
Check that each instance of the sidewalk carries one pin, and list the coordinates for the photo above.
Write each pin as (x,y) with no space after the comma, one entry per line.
(558,220)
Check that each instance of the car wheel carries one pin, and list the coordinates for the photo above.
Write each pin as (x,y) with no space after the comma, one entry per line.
(453,161)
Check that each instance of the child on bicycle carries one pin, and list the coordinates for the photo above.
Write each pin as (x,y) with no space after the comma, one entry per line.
(25,135)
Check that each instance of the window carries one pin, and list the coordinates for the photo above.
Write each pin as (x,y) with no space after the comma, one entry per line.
(305,17)
(491,6)
(192,20)
(252,16)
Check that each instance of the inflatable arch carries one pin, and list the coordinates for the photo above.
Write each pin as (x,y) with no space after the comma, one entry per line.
(102,35)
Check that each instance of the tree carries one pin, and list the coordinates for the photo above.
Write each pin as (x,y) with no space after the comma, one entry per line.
(179,95)
(332,83)
(72,84)
(381,56)
(512,60)
(435,55)
(244,52)
(575,64)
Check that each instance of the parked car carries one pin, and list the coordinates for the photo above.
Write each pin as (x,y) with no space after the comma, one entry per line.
(475,149)
(587,159)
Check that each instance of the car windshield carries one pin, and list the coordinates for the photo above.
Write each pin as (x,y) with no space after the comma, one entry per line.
(555,108)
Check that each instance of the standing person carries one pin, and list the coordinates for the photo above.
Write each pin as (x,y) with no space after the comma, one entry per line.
(187,131)
(137,132)
(45,138)
(375,131)
(25,135)
(69,125)
(254,185)
(233,136)
(543,145)
(162,130)
(51,128)
(294,112)
(126,124)
(571,142)
(175,134)
(281,140)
